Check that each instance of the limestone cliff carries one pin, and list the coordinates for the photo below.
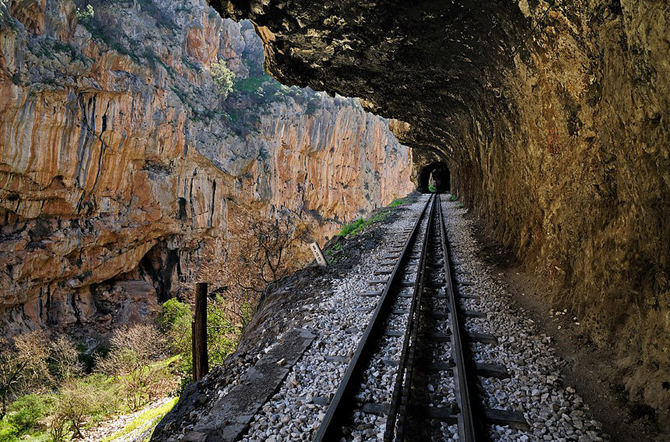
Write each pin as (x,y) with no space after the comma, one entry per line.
(121,161)
(553,117)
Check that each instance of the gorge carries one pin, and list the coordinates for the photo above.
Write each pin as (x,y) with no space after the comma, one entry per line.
(553,118)
(123,166)
(140,140)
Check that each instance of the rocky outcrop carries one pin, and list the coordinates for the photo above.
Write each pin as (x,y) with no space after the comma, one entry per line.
(553,117)
(121,161)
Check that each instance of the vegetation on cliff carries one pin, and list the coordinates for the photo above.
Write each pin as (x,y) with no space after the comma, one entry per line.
(126,164)
(52,389)
(55,390)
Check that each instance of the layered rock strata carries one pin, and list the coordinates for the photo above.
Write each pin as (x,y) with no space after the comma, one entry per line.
(122,163)
(553,117)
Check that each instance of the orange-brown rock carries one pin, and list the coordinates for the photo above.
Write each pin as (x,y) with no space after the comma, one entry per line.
(554,119)
(119,160)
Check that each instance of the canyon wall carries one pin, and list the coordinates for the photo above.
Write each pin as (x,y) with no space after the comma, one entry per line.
(122,162)
(554,118)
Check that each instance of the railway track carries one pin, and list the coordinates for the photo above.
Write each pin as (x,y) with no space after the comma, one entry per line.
(417,341)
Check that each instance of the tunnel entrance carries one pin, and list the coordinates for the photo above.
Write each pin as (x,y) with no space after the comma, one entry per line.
(435,177)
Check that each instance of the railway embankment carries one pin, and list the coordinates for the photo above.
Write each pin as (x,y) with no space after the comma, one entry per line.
(310,324)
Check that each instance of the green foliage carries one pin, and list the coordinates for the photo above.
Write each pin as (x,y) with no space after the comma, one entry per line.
(398,202)
(332,252)
(146,418)
(223,329)
(65,401)
(460,205)
(86,14)
(27,411)
(223,77)
(173,314)
(8,431)
(252,84)
(175,321)
(453,198)
(351,227)
(431,188)
(222,332)
(358,225)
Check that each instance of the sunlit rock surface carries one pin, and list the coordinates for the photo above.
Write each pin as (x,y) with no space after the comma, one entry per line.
(120,160)
(554,119)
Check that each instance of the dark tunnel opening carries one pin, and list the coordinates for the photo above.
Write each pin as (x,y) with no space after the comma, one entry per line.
(435,177)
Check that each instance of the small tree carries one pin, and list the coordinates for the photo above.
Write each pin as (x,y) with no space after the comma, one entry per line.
(75,403)
(223,330)
(223,77)
(64,359)
(23,365)
(175,321)
(266,243)
(133,350)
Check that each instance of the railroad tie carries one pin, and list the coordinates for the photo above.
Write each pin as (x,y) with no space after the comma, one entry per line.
(514,419)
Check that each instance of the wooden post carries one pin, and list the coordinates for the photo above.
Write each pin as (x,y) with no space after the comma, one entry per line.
(318,254)
(199,330)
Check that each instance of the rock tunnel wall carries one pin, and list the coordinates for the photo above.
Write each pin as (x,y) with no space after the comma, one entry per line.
(553,118)
(122,166)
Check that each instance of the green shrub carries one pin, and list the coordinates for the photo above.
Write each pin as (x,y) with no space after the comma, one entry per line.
(356,226)
(349,228)
(85,15)
(175,321)
(453,198)
(27,411)
(223,77)
(252,84)
(8,431)
(431,188)
(398,202)
(174,313)
(223,329)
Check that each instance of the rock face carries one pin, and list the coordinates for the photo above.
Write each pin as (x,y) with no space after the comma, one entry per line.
(553,117)
(121,161)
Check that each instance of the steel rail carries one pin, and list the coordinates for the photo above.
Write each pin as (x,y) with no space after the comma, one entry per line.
(331,427)
(468,425)
(395,423)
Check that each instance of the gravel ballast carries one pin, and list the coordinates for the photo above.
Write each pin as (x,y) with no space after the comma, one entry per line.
(553,411)
(337,316)
(338,322)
